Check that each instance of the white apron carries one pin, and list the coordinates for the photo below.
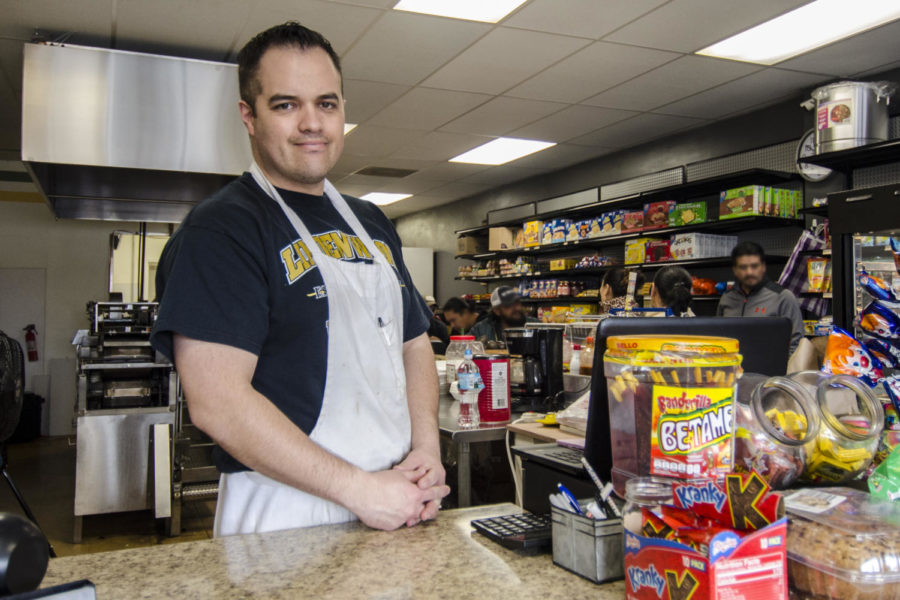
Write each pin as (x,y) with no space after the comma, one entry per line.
(365,417)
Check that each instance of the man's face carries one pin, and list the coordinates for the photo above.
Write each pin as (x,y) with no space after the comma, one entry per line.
(512,315)
(749,270)
(297,124)
(455,319)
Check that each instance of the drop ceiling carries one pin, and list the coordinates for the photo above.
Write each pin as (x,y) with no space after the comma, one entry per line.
(595,76)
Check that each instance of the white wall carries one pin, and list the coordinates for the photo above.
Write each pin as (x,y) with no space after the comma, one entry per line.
(75,256)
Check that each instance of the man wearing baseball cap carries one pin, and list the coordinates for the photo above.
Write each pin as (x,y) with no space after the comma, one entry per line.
(506,312)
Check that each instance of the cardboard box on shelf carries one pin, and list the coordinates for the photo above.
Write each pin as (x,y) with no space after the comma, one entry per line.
(656,214)
(559,231)
(547,233)
(742,202)
(572,231)
(636,250)
(532,231)
(562,264)
(633,220)
(658,251)
(501,238)
(686,246)
(688,213)
(470,245)
(610,223)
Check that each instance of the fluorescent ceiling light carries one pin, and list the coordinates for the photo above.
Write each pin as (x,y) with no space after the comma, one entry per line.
(501,151)
(811,26)
(486,11)
(382,198)
(348,127)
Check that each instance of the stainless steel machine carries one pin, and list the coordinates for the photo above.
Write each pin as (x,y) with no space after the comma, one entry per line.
(136,449)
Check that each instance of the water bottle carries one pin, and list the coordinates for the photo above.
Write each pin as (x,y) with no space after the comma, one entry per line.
(470,384)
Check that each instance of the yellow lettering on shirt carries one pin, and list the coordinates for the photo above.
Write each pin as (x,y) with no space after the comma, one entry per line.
(384,249)
(359,248)
(297,260)
(342,244)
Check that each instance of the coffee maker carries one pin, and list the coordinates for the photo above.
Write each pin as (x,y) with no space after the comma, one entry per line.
(535,367)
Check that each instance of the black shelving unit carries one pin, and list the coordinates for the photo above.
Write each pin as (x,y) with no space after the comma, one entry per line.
(725,225)
(861,156)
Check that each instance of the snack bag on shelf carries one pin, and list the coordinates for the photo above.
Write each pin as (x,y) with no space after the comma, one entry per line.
(879,320)
(877,287)
(844,355)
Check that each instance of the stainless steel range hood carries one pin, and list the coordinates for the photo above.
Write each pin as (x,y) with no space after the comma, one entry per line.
(115,135)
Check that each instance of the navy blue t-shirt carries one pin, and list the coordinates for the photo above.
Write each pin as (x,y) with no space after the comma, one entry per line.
(235,272)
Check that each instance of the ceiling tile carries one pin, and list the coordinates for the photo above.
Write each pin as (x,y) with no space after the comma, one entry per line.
(404,48)
(366,98)
(584,18)
(590,71)
(375,3)
(89,20)
(746,92)
(501,175)
(369,140)
(425,108)
(406,185)
(459,189)
(501,115)
(864,52)
(689,25)
(502,59)
(341,24)
(439,145)
(559,156)
(208,24)
(571,122)
(673,81)
(415,204)
(637,131)
(349,163)
(448,171)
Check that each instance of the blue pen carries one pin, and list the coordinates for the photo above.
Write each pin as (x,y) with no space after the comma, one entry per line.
(571,498)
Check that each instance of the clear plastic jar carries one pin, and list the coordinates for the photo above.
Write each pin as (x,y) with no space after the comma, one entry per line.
(776,424)
(670,405)
(850,422)
(456,350)
(644,493)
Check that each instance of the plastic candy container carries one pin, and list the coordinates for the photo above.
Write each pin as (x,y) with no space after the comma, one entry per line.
(670,404)
(776,424)
(644,494)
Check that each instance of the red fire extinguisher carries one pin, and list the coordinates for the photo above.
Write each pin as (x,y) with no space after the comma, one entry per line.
(31,342)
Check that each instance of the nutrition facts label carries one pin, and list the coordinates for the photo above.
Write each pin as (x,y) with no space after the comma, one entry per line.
(754,578)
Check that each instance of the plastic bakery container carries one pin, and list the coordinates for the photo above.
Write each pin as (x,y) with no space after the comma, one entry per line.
(843,544)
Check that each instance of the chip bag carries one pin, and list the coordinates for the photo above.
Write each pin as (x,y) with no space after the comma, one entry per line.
(877,287)
(879,320)
(885,480)
(844,355)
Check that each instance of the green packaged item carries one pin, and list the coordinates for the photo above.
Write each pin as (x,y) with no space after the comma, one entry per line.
(885,480)
(688,213)
(742,202)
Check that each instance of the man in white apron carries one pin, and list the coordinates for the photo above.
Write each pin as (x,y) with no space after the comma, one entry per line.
(293,323)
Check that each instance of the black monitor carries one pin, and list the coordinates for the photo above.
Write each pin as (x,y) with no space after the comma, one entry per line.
(764,343)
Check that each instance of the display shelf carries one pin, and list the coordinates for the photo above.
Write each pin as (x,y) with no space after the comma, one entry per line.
(719,261)
(561,299)
(741,224)
(681,192)
(862,156)
(815,211)
(591,272)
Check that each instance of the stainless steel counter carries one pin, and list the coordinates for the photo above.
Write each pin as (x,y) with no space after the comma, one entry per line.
(439,559)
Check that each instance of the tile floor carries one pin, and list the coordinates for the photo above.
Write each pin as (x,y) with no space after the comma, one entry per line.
(44,471)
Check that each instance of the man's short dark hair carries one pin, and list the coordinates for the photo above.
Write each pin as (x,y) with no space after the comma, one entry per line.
(291,34)
(747,249)
(457,305)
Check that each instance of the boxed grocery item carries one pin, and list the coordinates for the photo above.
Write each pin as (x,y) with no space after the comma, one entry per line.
(658,251)
(547,233)
(584,228)
(572,232)
(559,231)
(562,264)
(719,540)
(843,544)
(633,220)
(686,246)
(596,227)
(501,238)
(532,233)
(742,202)
(612,223)
(583,309)
(636,250)
(656,214)
(688,213)
(470,245)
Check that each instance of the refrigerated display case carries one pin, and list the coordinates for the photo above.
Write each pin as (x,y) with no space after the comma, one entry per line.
(862,222)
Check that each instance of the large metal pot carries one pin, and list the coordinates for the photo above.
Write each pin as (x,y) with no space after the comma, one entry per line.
(851,114)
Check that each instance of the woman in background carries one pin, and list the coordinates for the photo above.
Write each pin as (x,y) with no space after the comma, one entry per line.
(614,288)
(672,289)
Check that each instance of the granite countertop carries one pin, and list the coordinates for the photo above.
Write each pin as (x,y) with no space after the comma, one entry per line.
(440,559)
